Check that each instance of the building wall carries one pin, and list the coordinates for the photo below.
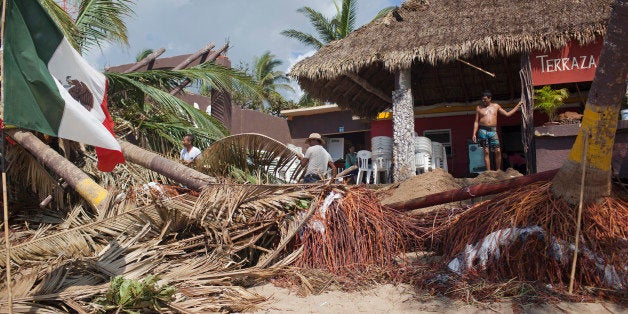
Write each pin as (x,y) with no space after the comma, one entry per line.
(251,121)
(461,127)
(553,144)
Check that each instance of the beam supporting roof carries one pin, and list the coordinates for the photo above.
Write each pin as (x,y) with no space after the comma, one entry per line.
(368,87)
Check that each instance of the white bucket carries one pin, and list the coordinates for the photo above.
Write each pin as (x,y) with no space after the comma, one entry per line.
(624,114)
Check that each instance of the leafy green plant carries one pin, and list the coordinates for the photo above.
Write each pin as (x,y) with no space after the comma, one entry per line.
(549,100)
(134,296)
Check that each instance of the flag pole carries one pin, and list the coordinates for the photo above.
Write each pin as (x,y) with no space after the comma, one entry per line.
(5,202)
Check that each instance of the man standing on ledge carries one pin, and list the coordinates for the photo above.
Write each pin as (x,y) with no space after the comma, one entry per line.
(316,159)
(485,128)
(189,151)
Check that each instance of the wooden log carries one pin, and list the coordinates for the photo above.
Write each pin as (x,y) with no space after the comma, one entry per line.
(369,88)
(527,113)
(471,191)
(146,60)
(210,58)
(176,171)
(193,57)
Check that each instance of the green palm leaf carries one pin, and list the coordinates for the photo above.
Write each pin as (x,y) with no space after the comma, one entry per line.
(102,21)
(63,20)
(324,27)
(304,38)
(346,18)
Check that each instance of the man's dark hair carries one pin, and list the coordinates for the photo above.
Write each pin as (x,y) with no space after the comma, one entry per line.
(191,138)
(487,94)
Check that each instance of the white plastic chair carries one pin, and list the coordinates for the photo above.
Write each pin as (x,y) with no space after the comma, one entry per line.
(437,155)
(422,154)
(381,163)
(422,162)
(363,166)
(444,165)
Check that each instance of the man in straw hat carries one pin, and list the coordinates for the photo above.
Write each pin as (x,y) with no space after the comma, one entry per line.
(316,159)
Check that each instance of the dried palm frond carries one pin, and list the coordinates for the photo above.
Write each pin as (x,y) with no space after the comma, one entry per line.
(528,234)
(84,239)
(352,232)
(254,154)
(228,203)
(25,171)
(124,176)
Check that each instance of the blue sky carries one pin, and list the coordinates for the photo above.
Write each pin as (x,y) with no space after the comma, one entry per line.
(251,26)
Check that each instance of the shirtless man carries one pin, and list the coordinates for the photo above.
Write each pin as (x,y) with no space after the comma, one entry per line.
(485,126)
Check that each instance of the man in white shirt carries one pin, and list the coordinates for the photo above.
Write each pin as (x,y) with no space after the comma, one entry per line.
(317,159)
(189,152)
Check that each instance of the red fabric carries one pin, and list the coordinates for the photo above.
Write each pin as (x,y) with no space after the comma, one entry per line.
(108,158)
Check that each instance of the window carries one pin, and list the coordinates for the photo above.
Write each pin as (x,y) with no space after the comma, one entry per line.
(442,136)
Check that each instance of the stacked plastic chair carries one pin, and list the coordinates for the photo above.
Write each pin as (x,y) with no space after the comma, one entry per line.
(381,155)
(439,156)
(422,154)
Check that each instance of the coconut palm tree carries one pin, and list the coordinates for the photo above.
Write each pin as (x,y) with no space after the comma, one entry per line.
(96,22)
(329,29)
(269,82)
(599,122)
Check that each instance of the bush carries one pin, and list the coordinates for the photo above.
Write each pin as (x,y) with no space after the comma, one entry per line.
(549,100)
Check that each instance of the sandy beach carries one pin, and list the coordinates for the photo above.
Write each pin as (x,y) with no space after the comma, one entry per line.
(389,298)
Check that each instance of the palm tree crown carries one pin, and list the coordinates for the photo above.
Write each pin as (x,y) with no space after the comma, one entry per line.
(329,29)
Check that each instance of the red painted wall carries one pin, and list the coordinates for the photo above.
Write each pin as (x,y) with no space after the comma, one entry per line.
(461,131)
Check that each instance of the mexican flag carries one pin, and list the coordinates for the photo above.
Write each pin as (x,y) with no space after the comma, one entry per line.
(50,88)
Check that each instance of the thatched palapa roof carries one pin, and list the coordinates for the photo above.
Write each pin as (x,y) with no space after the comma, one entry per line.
(432,37)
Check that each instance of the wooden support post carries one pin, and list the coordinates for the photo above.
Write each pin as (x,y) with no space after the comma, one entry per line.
(193,57)
(210,58)
(527,114)
(403,126)
(146,60)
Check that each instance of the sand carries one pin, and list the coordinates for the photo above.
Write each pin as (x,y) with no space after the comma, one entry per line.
(402,299)
(437,181)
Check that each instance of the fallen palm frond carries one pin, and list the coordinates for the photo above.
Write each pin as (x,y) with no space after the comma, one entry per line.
(82,240)
(528,234)
(255,154)
(352,232)
(221,204)
(25,171)
(202,246)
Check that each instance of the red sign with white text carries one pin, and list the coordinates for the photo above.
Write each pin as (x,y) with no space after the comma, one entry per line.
(572,63)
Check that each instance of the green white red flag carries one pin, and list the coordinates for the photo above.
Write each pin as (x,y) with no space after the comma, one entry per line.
(50,88)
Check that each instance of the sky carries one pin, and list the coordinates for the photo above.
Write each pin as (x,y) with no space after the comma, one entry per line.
(251,27)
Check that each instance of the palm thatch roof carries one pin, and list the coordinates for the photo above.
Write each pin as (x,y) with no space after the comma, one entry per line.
(431,37)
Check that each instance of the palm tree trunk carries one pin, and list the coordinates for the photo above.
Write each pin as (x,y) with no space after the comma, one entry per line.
(403,126)
(93,193)
(164,166)
(600,117)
